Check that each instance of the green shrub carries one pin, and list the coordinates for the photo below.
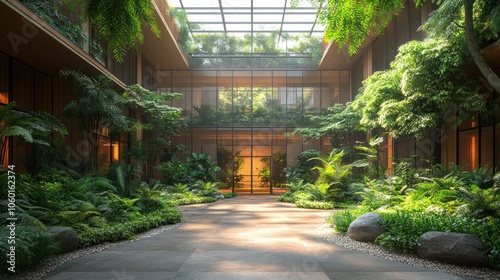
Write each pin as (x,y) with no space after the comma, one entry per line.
(229,195)
(314,204)
(379,193)
(333,173)
(149,200)
(404,228)
(148,204)
(342,219)
(120,209)
(173,172)
(488,230)
(33,245)
(303,169)
(127,230)
(196,200)
(203,188)
(479,203)
(287,197)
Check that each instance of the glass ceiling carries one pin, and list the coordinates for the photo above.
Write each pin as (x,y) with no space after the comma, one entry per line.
(235,17)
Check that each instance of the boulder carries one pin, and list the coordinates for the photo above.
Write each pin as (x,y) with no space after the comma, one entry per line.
(366,228)
(66,236)
(219,195)
(454,248)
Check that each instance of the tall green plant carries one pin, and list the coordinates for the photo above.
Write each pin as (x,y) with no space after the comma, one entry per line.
(303,168)
(372,158)
(126,177)
(160,120)
(31,127)
(333,173)
(333,170)
(97,107)
(340,123)
(201,168)
(173,171)
(120,22)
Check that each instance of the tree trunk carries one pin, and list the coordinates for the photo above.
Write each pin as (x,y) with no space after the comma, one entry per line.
(485,69)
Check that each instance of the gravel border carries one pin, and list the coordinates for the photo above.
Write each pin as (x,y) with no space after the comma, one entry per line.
(50,264)
(341,239)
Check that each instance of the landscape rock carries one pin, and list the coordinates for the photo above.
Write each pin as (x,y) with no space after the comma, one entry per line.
(66,236)
(219,195)
(453,248)
(366,228)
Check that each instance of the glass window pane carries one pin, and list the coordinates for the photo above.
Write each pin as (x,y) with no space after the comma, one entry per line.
(330,88)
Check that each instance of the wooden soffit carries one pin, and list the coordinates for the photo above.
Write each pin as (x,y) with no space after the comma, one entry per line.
(339,59)
(163,52)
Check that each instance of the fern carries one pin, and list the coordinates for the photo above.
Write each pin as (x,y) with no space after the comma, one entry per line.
(332,171)
(479,203)
(120,22)
(31,127)
(95,184)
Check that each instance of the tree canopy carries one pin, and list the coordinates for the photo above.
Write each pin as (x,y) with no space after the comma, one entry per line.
(350,22)
(339,123)
(425,81)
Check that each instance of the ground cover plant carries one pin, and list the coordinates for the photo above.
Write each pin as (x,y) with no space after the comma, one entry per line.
(460,201)
(96,207)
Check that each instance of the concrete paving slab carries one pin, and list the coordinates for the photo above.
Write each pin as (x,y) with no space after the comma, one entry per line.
(247,237)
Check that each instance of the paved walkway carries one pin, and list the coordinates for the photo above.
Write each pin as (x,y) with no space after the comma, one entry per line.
(247,237)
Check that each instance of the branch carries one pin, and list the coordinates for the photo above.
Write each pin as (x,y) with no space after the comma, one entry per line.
(458,24)
(485,69)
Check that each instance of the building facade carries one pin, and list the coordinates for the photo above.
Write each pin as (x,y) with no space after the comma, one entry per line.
(243,118)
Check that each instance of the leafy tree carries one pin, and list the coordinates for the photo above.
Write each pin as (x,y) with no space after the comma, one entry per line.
(433,82)
(31,127)
(308,44)
(98,106)
(161,120)
(349,23)
(378,88)
(120,21)
(472,24)
(205,115)
(261,43)
(425,81)
(208,44)
(340,124)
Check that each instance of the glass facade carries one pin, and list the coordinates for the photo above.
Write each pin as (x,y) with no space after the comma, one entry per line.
(241,118)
